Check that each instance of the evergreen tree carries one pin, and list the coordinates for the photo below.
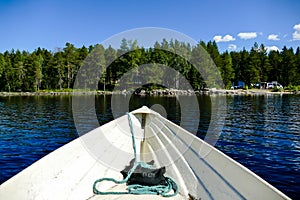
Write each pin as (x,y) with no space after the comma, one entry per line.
(253,69)
(297,63)
(2,68)
(265,66)
(288,68)
(110,56)
(244,62)
(19,69)
(69,59)
(227,71)
(38,75)
(59,69)
(235,59)
(123,47)
(275,60)
(8,72)
(47,69)
(213,51)
(205,66)
(95,63)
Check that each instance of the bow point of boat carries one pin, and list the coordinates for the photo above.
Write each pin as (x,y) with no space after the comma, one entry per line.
(200,170)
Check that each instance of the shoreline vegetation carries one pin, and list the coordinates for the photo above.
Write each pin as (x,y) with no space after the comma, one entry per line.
(201,66)
(159,92)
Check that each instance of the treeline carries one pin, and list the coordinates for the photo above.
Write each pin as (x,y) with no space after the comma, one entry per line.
(46,70)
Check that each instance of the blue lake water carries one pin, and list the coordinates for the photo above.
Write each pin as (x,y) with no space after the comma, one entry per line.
(261,132)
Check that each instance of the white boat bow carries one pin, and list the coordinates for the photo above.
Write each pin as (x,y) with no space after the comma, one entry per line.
(200,170)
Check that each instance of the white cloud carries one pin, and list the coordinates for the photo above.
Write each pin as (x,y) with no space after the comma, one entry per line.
(272,48)
(232,47)
(226,38)
(217,38)
(248,35)
(297,27)
(296,34)
(273,37)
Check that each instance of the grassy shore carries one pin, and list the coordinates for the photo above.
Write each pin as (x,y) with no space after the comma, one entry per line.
(162,92)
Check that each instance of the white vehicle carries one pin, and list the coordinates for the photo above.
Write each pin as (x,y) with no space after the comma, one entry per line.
(271,85)
(277,85)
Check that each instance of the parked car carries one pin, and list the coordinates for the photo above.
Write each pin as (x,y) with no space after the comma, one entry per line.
(255,85)
(277,85)
(270,85)
(238,85)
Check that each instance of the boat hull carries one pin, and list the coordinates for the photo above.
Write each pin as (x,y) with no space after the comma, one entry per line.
(199,169)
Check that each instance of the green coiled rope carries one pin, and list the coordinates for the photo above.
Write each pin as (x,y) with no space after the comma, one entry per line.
(163,190)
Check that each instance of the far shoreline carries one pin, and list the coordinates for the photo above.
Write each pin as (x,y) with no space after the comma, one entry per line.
(164,92)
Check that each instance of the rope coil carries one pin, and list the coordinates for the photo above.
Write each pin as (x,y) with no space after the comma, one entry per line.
(161,189)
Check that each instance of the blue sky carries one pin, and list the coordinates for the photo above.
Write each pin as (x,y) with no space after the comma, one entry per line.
(29,24)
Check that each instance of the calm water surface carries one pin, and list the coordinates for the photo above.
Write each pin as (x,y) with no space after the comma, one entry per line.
(261,132)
